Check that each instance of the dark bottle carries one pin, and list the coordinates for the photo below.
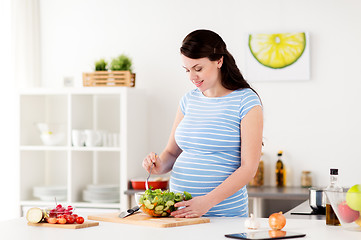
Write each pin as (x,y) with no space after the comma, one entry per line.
(280,171)
(331,218)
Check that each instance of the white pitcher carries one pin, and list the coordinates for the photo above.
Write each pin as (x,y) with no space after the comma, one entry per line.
(92,138)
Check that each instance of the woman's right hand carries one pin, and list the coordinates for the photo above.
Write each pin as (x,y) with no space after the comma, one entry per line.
(152,158)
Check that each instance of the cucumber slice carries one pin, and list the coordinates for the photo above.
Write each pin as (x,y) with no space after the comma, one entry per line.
(169,203)
(166,208)
(164,214)
(158,212)
(159,208)
(148,205)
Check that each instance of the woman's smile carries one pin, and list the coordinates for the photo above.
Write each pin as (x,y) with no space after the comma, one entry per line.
(198,83)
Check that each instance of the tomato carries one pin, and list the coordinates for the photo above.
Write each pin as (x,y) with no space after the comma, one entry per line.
(75,215)
(52,220)
(79,220)
(61,220)
(70,219)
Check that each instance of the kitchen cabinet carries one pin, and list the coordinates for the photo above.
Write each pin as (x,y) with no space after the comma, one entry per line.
(119,113)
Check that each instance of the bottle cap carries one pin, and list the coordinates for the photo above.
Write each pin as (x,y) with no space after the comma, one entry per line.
(280,153)
(334,171)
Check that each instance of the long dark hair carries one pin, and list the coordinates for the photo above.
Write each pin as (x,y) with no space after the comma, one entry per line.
(205,43)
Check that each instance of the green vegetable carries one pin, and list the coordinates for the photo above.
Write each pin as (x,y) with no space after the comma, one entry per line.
(161,203)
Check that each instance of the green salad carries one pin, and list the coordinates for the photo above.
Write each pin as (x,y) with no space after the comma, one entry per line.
(160,203)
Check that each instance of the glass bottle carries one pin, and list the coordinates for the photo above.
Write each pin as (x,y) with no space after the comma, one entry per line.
(258,179)
(331,218)
(280,171)
(306,179)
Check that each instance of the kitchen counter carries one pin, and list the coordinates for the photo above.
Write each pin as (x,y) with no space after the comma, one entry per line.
(258,194)
(17,229)
(265,192)
(270,192)
(303,211)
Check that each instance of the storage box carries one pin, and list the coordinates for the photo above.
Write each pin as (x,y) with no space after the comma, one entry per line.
(109,79)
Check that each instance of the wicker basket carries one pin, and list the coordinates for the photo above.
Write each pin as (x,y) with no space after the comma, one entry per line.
(109,79)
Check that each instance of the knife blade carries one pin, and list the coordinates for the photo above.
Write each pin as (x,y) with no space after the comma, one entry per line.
(129,212)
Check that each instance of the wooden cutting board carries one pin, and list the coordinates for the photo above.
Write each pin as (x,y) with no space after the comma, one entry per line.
(68,226)
(145,220)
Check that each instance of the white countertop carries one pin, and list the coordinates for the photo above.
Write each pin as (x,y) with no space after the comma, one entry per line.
(17,229)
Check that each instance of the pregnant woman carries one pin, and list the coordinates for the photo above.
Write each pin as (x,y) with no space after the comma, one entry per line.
(215,144)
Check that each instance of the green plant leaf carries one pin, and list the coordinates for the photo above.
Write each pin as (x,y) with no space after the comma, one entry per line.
(121,63)
(101,65)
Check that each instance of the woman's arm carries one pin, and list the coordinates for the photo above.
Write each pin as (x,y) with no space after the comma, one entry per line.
(251,147)
(165,161)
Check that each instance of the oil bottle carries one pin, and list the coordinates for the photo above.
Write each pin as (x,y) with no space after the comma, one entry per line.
(331,218)
(280,171)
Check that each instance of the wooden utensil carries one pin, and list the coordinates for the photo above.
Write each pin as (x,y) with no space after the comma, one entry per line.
(68,226)
(146,220)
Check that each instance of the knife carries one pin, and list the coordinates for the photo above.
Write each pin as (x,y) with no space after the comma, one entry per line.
(129,212)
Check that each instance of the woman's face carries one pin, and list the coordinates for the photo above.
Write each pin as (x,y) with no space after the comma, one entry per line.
(203,73)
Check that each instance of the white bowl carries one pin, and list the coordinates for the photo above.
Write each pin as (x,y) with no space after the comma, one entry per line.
(137,197)
(348,217)
(103,188)
(52,139)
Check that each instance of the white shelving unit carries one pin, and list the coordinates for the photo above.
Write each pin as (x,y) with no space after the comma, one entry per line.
(118,110)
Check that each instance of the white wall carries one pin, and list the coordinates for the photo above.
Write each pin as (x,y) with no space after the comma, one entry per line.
(316,123)
(9,177)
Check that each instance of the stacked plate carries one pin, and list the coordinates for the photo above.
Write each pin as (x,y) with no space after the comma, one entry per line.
(101,193)
(49,193)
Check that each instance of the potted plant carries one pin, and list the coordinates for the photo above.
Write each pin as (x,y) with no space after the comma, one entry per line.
(121,63)
(101,65)
(120,73)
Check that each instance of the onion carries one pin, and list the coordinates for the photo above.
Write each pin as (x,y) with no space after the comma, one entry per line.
(277,221)
(276,233)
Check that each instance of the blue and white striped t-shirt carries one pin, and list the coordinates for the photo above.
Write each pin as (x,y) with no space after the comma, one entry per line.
(209,135)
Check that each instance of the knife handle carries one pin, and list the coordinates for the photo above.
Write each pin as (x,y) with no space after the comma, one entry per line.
(133,209)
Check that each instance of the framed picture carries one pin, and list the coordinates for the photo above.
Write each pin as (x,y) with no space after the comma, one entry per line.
(277,57)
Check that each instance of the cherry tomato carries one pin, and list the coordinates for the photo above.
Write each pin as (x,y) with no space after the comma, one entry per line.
(61,220)
(70,219)
(75,215)
(79,220)
(52,220)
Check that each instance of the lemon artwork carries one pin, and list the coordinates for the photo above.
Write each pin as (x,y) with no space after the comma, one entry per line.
(277,50)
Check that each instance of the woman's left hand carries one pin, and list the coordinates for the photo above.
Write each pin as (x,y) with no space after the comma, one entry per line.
(196,207)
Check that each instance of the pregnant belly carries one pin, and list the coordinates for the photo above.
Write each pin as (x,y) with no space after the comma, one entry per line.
(198,176)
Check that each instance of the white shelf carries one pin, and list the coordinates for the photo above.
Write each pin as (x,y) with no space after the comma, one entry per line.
(118,110)
(74,91)
(96,149)
(43,148)
(65,148)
